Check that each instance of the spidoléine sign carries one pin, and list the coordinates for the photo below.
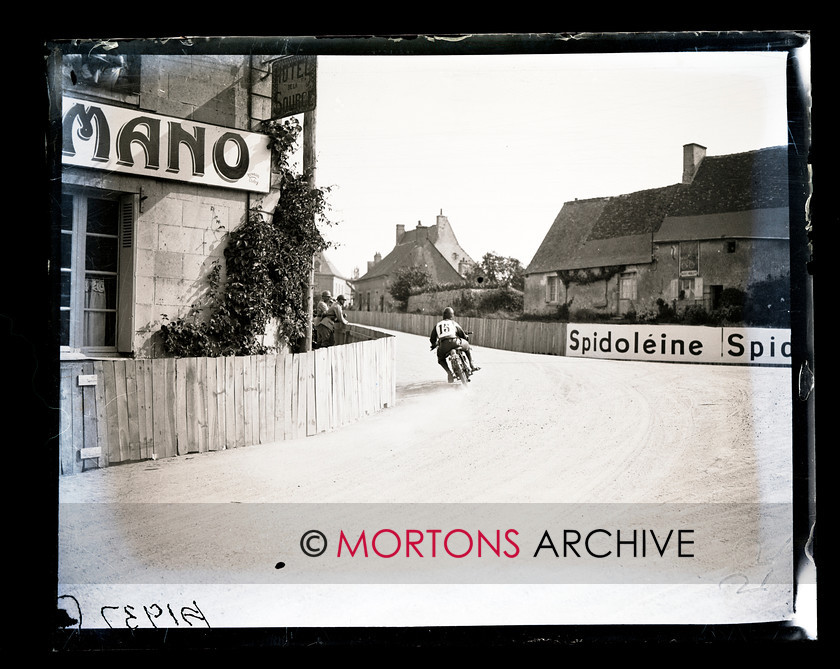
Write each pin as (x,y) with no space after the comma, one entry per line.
(294,87)
(663,343)
(118,139)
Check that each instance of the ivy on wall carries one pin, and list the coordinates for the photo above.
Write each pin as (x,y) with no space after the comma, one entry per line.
(585,276)
(267,269)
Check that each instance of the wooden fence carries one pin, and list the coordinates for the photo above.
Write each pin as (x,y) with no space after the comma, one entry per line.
(548,338)
(121,410)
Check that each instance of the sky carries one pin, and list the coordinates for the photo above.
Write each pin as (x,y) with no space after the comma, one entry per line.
(498,143)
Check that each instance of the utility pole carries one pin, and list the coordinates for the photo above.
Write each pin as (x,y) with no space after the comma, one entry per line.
(309,161)
(294,89)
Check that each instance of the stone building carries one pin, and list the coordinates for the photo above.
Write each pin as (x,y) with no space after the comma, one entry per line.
(725,225)
(328,277)
(161,156)
(433,248)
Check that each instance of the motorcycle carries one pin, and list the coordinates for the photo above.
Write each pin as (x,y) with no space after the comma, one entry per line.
(459,364)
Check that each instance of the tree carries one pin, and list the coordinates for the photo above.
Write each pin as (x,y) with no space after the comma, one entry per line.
(405,281)
(498,272)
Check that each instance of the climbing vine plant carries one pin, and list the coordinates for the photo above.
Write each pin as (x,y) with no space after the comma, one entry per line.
(267,264)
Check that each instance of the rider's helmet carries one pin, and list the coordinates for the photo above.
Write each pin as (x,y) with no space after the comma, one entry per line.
(326,295)
(448,313)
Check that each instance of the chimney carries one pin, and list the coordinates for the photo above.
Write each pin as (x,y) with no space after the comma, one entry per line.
(400,232)
(693,155)
(377,257)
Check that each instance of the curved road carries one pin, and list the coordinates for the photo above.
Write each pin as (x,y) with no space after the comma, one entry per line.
(529,428)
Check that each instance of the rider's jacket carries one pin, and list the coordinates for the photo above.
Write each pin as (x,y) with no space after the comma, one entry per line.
(446,329)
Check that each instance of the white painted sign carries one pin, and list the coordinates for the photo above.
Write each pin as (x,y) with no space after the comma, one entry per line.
(675,343)
(117,139)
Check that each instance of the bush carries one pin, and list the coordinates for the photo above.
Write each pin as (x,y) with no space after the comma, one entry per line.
(769,303)
(408,281)
(267,263)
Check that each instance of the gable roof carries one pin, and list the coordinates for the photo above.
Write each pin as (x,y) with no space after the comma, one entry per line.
(736,195)
(327,267)
(736,182)
(603,231)
(410,254)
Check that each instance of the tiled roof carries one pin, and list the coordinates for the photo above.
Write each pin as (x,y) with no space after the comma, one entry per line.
(423,254)
(620,229)
(736,182)
(603,231)
(327,267)
(750,224)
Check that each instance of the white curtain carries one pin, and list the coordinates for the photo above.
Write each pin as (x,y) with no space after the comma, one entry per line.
(95,321)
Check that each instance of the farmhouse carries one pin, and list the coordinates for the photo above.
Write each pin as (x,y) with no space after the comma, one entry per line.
(433,248)
(725,225)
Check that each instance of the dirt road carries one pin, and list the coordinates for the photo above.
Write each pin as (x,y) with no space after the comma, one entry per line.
(529,431)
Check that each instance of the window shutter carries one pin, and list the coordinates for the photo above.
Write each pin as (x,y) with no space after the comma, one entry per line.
(674,289)
(698,288)
(126,279)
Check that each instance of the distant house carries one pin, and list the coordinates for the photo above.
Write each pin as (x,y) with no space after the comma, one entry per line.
(724,226)
(327,277)
(433,248)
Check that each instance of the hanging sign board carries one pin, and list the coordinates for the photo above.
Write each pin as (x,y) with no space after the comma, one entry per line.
(294,87)
(119,139)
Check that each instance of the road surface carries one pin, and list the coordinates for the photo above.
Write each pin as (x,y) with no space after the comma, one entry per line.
(204,528)
(529,428)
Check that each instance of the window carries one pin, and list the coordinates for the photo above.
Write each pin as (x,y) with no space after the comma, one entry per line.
(689,289)
(628,287)
(551,289)
(731,246)
(97,266)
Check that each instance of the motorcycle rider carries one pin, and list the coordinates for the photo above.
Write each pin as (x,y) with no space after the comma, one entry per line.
(447,335)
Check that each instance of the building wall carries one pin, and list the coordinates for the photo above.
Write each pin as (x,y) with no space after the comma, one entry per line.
(179,235)
(373,295)
(180,230)
(335,284)
(751,261)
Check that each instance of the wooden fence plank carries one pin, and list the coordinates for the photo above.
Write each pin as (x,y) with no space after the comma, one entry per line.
(148,411)
(120,401)
(280,397)
(219,396)
(101,420)
(163,419)
(270,402)
(300,394)
(211,402)
(239,384)
(289,392)
(181,407)
(191,410)
(230,401)
(322,389)
(309,378)
(132,408)
(66,431)
(338,408)
(255,400)
(90,441)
